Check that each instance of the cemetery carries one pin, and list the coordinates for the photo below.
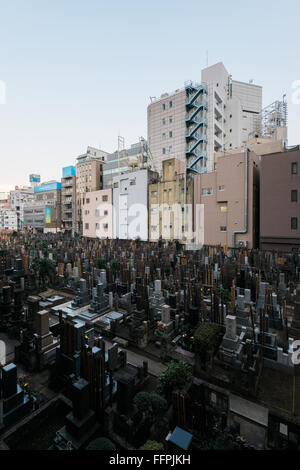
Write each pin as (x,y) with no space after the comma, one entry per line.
(148,342)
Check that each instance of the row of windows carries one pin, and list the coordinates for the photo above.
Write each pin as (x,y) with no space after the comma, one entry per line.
(164,120)
(97,226)
(164,135)
(104,199)
(164,150)
(164,105)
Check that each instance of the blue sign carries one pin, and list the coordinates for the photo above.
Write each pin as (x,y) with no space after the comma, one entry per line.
(47,187)
(69,171)
(34,178)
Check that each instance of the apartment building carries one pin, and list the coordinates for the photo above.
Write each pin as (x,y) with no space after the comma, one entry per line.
(97,214)
(169,217)
(44,212)
(130,201)
(19,197)
(8,219)
(280,201)
(89,177)
(194,122)
(229,200)
(68,199)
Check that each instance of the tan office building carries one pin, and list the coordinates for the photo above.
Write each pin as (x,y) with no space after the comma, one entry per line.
(166,199)
(89,177)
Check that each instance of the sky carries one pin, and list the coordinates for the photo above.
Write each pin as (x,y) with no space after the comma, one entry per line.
(81,72)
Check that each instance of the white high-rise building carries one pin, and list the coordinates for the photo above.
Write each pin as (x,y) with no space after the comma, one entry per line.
(194,122)
(19,197)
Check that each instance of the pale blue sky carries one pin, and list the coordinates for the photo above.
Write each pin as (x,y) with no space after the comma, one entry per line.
(80,72)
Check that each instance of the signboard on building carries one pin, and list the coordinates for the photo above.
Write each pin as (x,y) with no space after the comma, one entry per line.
(48,214)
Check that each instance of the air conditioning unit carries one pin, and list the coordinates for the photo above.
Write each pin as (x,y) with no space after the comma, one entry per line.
(242,243)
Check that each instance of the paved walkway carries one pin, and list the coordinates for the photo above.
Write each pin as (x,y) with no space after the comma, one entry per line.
(154,367)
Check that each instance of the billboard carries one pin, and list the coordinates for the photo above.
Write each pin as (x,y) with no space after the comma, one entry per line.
(48,214)
(34,178)
(47,187)
(69,171)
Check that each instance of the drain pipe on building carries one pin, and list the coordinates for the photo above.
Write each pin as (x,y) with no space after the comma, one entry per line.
(240,232)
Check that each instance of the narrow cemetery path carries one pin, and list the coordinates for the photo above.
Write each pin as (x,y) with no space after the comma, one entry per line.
(154,367)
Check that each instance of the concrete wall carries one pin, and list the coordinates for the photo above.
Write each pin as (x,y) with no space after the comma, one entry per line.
(276,207)
(225,207)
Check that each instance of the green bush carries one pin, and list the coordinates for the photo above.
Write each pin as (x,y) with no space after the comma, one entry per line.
(102,443)
(152,445)
(175,377)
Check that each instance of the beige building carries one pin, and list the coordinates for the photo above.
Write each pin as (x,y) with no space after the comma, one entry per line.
(167,219)
(194,122)
(89,177)
(229,199)
(97,214)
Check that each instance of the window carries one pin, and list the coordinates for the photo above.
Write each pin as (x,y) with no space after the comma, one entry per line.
(87,201)
(86,226)
(116,185)
(294,168)
(97,226)
(164,151)
(153,193)
(223,208)
(207,191)
(164,121)
(105,226)
(221,187)
(170,104)
(104,198)
(105,212)
(153,228)
(97,213)
(294,223)
(170,134)
(170,119)
(170,148)
(132,182)
(294,195)
(223,228)
(163,136)
(164,106)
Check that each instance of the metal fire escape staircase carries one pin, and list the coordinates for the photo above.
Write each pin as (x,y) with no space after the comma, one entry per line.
(196,127)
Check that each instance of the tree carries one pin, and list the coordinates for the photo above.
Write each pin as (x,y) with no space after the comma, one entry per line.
(44,269)
(150,404)
(206,339)
(167,269)
(175,377)
(101,443)
(152,445)
(142,400)
(115,266)
(159,404)
(100,263)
